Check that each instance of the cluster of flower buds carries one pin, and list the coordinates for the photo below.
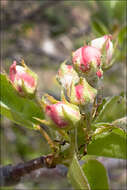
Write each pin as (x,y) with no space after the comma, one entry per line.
(24,80)
(77,80)
(80,79)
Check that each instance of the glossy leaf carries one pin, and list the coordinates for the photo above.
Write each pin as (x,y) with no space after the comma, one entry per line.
(96,174)
(18,109)
(108,143)
(77,176)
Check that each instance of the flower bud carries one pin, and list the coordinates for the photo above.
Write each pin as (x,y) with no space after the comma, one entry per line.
(99,73)
(66,75)
(62,114)
(87,61)
(23,79)
(105,45)
(84,56)
(82,93)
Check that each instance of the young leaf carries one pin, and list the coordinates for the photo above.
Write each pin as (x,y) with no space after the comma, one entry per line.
(18,109)
(77,176)
(121,123)
(109,144)
(96,174)
(113,109)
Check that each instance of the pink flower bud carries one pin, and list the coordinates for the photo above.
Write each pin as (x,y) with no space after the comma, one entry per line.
(66,75)
(79,91)
(23,79)
(105,45)
(82,93)
(55,114)
(84,56)
(99,73)
(62,114)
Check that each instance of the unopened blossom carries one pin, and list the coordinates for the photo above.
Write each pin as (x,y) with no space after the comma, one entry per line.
(62,114)
(105,45)
(66,75)
(83,57)
(87,61)
(99,73)
(23,79)
(82,93)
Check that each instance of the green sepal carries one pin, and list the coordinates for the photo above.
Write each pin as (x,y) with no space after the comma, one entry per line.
(51,99)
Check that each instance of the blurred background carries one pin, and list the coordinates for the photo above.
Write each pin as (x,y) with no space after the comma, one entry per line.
(44,33)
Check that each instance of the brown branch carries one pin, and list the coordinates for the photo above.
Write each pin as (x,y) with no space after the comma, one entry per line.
(10,175)
(43,174)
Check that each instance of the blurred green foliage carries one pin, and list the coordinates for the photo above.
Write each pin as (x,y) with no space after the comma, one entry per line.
(110,17)
(111,14)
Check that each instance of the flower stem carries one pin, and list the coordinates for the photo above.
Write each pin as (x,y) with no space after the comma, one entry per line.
(73,136)
(88,121)
(76,143)
(38,101)
(47,137)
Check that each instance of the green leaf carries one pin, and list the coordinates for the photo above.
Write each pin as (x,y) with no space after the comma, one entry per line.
(110,143)
(18,109)
(81,139)
(112,109)
(99,28)
(122,36)
(96,174)
(76,175)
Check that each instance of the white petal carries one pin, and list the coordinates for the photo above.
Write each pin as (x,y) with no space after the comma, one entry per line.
(20,69)
(98,42)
